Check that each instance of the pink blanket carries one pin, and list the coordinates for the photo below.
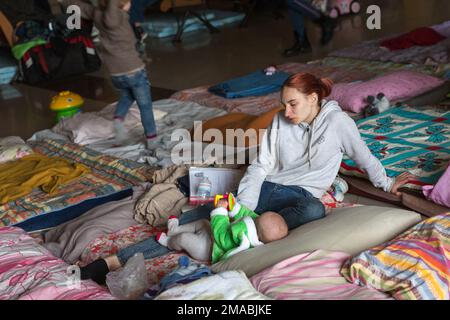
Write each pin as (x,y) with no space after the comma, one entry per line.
(311,276)
(29,272)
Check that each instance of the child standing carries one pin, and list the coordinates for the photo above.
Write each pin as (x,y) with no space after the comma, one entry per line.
(118,53)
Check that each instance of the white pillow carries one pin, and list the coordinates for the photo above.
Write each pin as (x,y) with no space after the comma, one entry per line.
(90,127)
(13,148)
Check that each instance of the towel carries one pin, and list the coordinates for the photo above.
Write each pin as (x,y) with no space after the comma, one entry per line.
(19,178)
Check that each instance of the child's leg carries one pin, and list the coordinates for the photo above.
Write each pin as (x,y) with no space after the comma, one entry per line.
(192,227)
(197,245)
(142,94)
(123,105)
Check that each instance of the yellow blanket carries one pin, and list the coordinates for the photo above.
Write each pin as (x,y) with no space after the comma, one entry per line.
(18,178)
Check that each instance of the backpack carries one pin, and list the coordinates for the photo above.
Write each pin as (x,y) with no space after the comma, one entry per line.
(58,53)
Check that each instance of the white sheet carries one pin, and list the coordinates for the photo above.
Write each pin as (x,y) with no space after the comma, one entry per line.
(95,130)
(227,285)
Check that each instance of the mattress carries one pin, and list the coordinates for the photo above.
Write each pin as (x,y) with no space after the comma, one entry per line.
(258,105)
(110,179)
(414,139)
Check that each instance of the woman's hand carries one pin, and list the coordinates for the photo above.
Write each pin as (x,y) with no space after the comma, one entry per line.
(401,180)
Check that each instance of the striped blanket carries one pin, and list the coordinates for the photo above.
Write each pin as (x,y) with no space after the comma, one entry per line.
(414,139)
(29,272)
(415,265)
(108,175)
(311,276)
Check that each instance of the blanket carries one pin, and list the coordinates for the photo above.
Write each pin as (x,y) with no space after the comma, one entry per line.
(414,265)
(310,276)
(227,285)
(68,240)
(18,178)
(372,51)
(414,139)
(107,176)
(170,115)
(423,36)
(29,272)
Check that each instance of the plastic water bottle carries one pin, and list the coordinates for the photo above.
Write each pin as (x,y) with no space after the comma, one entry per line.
(204,189)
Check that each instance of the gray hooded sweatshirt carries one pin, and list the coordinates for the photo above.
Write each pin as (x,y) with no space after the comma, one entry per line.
(309,156)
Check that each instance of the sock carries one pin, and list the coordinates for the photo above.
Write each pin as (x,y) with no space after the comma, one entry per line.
(163,239)
(151,141)
(120,130)
(172,225)
(96,271)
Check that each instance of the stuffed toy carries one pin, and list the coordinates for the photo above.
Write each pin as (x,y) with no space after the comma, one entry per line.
(376,105)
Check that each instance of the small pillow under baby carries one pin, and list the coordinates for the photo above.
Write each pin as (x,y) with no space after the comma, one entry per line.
(397,86)
(349,230)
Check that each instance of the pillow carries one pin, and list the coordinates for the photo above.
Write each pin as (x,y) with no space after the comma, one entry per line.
(89,127)
(350,230)
(397,86)
(13,148)
(412,266)
(440,193)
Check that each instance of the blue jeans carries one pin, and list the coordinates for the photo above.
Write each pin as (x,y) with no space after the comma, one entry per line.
(150,248)
(296,205)
(136,87)
(137,10)
(297,10)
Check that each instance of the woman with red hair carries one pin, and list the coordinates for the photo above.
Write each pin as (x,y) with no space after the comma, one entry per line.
(301,152)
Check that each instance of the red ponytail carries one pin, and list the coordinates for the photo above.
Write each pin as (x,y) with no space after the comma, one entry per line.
(308,84)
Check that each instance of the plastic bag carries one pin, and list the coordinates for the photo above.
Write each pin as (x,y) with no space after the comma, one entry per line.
(129,283)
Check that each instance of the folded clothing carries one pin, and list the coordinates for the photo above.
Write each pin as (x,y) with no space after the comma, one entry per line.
(418,37)
(18,178)
(253,84)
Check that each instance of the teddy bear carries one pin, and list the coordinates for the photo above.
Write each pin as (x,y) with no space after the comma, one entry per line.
(377,104)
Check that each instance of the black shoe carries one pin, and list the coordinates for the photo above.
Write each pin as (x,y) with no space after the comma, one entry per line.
(328,25)
(298,47)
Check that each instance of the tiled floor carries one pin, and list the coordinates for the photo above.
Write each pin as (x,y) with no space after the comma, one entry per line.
(204,58)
